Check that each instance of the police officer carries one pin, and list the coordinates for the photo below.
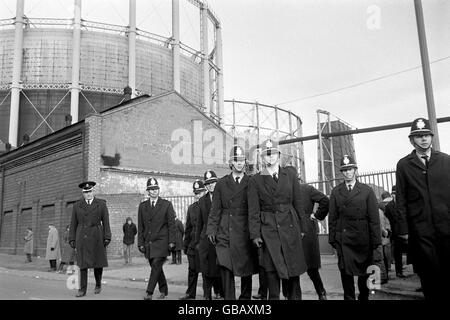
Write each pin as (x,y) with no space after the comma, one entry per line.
(156,236)
(354,229)
(310,197)
(189,241)
(228,228)
(423,193)
(206,250)
(90,234)
(276,221)
(399,229)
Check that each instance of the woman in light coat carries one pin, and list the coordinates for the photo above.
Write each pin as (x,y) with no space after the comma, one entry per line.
(53,250)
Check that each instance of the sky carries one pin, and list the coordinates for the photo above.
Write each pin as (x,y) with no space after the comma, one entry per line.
(357,59)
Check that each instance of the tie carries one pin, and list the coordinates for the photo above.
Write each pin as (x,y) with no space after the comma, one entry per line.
(89,202)
(153,204)
(275,177)
(237,180)
(426,160)
(349,188)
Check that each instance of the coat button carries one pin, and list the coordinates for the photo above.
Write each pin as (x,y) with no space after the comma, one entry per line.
(290,225)
(344,230)
(424,172)
(278,225)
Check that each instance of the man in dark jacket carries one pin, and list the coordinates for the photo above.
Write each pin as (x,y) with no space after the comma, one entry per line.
(179,233)
(189,242)
(206,250)
(90,234)
(129,233)
(228,229)
(354,229)
(277,223)
(156,236)
(310,196)
(423,200)
(399,230)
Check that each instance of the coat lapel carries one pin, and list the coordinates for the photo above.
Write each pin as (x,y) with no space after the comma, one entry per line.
(237,188)
(415,160)
(269,182)
(355,191)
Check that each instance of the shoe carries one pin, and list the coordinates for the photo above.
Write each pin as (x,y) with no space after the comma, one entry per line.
(419,289)
(162,296)
(186,297)
(218,297)
(400,275)
(148,297)
(323,296)
(173,262)
(257,297)
(97,289)
(384,281)
(80,294)
(51,270)
(207,298)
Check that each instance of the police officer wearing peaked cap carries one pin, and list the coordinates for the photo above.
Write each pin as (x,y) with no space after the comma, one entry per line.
(90,234)
(423,189)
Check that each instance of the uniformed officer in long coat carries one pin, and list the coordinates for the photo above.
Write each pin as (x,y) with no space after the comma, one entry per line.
(354,229)
(423,200)
(206,250)
(189,241)
(276,222)
(90,234)
(311,196)
(156,236)
(228,229)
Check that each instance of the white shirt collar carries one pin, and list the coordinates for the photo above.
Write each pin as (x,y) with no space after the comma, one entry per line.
(350,184)
(150,199)
(420,155)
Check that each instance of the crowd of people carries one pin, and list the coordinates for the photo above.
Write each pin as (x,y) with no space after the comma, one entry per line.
(267,224)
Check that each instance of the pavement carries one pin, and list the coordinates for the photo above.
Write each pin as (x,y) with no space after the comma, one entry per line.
(136,275)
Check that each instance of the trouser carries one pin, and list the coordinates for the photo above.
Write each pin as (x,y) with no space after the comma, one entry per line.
(434,257)
(29,257)
(314,275)
(127,252)
(291,286)
(192,277)
(348,284)
(399,248)
(386,261)
(176,257)
(84,278)
(209,283)
(263,290)
(53,264)
(157,276)
(228,284)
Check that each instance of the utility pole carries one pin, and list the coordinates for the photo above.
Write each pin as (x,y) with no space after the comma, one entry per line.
(426,73)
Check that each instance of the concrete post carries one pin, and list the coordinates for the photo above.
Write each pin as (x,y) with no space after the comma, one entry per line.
(176,44)
(17,69)
(205,58)
(132,48)
(76,52)
(219,63)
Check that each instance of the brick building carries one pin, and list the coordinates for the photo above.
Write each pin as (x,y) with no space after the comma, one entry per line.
(163,136)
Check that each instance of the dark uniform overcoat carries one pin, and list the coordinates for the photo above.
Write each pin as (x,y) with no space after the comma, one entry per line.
(206,250)
(398,225)
(156,228)
(354,227)
(276,215)
(89,228)
(189,233)
(228,222)
(311,247)
(423,199)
